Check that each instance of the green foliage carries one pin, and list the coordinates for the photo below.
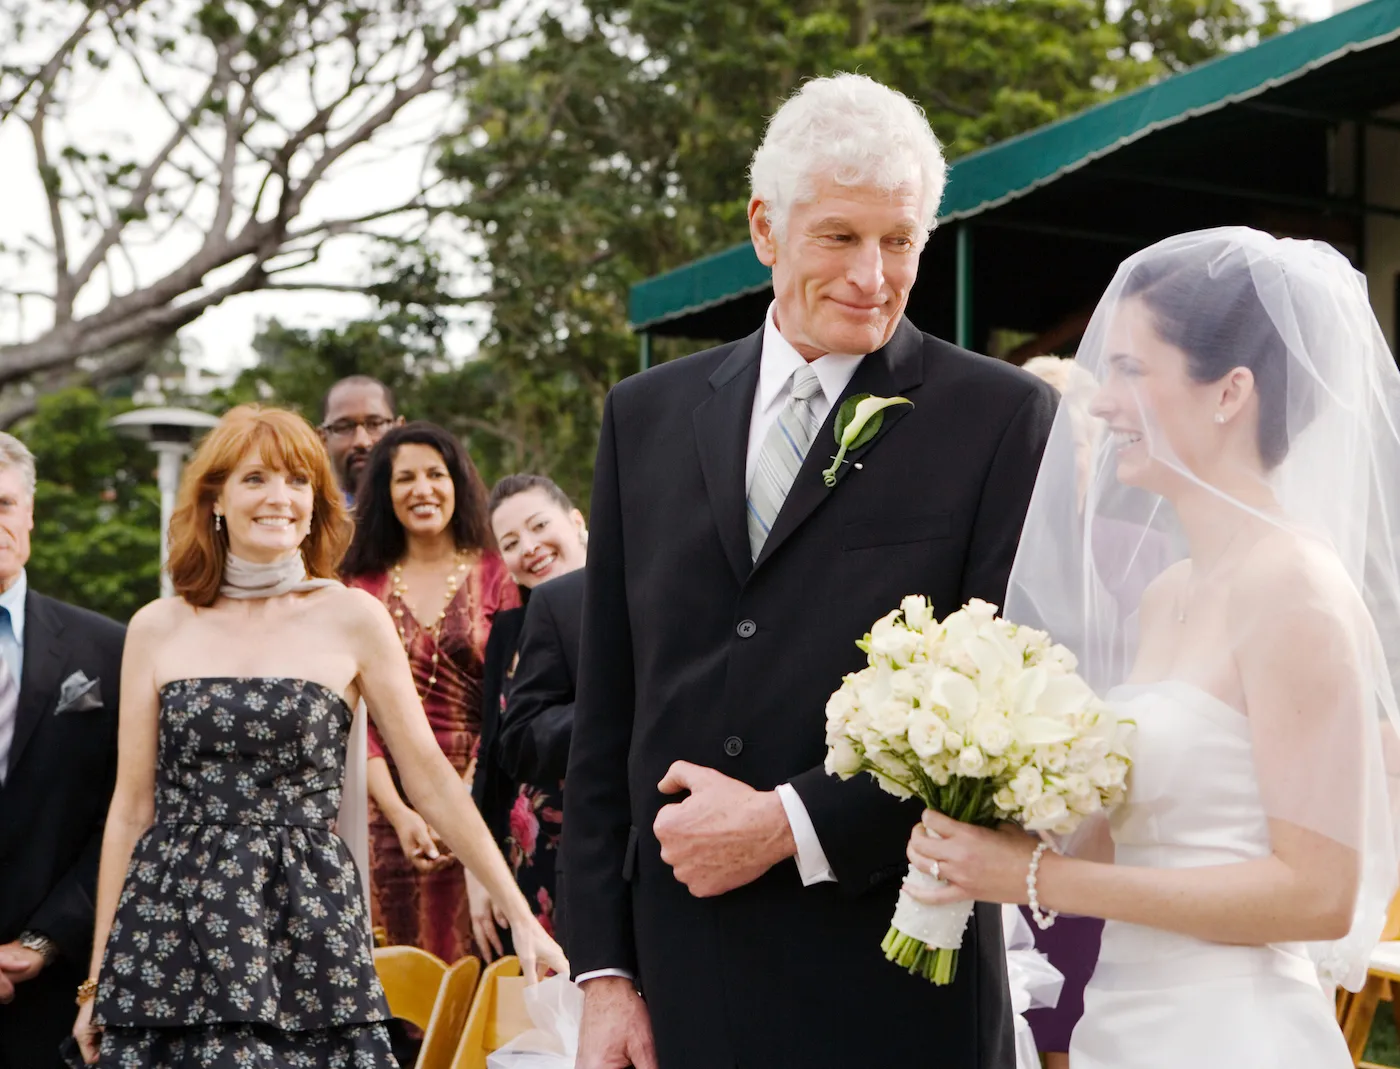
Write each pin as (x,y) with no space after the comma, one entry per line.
(617,147)
(96,540)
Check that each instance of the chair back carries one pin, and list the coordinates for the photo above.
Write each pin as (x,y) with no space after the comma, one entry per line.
(411,979)
(444,1031)
(497,1014)
(1391,931)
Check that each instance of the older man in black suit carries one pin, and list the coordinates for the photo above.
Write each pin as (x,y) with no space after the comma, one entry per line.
(728,897)
(60,670)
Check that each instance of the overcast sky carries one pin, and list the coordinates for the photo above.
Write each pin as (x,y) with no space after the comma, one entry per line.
(383,175)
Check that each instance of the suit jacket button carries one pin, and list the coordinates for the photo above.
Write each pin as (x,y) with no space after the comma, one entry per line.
(747,629)
(733,746)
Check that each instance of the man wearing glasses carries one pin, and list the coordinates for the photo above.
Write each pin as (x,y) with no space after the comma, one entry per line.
(356,412)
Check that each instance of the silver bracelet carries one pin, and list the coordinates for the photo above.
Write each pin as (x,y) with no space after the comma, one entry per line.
(1042,920)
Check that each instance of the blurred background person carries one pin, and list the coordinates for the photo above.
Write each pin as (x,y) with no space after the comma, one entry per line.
(1072,944)
(60,674)
(422,546)
(355,414)
(527,713)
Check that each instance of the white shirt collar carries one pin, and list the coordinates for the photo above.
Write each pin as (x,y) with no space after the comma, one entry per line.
(779,360)
(13,600)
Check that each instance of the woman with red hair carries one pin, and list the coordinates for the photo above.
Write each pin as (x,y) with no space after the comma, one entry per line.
(231,924)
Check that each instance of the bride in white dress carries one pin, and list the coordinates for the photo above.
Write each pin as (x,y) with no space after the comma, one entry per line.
(1223,563)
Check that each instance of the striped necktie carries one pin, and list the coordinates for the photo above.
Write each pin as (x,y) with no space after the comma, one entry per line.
(9,707)
(781,455)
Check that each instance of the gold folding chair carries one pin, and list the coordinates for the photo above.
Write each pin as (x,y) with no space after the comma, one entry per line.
(497,1014)
(412,979)
(444,1030)
(1358,1012)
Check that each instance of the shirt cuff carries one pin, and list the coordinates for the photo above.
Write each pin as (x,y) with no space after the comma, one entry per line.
(812,864)
(596,973)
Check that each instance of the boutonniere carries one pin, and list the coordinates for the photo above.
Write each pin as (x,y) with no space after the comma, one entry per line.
(857,422)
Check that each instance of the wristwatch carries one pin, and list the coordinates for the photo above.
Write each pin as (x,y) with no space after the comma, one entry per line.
(41,944)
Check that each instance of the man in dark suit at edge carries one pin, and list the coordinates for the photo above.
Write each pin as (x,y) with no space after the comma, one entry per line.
(60,673)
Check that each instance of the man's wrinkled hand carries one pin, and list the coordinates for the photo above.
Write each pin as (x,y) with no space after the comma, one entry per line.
(724,835)
(19,963)
(616,1028)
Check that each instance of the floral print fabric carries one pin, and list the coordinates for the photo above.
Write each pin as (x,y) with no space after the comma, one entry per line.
(247,1046)
(241,917)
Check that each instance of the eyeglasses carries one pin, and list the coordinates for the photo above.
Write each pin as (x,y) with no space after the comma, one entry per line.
(345,428)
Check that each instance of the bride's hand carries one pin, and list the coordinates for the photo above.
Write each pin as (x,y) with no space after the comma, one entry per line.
(983,864)
(538,953)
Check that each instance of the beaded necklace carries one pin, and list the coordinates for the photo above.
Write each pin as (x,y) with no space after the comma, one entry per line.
(434,631)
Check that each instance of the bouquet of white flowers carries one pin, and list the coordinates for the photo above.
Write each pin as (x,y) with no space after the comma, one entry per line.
(983,720)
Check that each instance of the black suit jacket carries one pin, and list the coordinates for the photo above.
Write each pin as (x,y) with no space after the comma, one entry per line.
(52,809)
(692,652)
(539,720)
(492,789)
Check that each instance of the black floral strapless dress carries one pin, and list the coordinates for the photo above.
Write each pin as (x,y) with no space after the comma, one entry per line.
(240,939)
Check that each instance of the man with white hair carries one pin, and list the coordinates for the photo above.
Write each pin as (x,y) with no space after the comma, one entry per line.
(60,672)
(729,897)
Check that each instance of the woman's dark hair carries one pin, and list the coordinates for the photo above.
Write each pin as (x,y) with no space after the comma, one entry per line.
(520,482)
(1204,301)
(379,537)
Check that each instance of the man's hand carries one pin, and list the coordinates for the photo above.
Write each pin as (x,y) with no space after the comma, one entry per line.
(19,964)
(725,835)
(616,1028)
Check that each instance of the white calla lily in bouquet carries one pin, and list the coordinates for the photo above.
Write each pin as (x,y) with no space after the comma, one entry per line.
(984,721)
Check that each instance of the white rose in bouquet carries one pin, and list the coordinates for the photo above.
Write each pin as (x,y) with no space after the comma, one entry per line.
(982,720)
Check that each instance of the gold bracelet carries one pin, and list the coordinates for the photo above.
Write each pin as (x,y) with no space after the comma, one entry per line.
(87,991)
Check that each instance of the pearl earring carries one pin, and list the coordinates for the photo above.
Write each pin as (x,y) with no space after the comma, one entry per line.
(1220,417)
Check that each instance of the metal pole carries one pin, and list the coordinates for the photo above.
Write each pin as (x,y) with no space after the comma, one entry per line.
(170,458)
(964,286)
(1361,198)
(644,355)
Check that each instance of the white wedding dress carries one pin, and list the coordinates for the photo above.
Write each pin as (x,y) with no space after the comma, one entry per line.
(1159,1000)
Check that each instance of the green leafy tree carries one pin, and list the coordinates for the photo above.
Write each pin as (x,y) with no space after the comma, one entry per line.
(96,540)
(618,147)
(240,114)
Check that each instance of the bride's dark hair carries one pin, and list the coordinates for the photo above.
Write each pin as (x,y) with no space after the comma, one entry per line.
(1205,302)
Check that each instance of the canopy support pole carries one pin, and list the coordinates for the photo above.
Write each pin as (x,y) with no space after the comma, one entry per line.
(964,287)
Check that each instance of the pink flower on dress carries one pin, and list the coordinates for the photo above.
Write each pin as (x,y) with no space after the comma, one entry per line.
(545,913)
(524,826)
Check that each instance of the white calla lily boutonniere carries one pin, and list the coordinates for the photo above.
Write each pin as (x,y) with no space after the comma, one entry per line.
(857,422)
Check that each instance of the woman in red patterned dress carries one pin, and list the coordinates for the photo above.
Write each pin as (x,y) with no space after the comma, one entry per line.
(424,547)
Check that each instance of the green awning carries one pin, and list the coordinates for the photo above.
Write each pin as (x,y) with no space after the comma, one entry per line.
(1014,168)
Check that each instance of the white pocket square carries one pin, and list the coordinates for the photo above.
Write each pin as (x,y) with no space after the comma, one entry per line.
(79,694)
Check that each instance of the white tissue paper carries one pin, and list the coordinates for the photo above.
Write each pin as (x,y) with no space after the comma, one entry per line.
(555,1007)
(1035,983)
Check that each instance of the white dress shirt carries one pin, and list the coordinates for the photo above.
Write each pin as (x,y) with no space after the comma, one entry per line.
(777,362)
(776,366)
(12,650)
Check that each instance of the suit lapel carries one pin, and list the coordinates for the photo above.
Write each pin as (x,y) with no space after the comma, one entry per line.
(43,663)
(722,439)
(894,369)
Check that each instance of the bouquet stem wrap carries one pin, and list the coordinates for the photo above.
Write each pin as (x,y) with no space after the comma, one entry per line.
(925,939)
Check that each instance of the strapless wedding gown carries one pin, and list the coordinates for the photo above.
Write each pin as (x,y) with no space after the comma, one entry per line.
(1159,1000)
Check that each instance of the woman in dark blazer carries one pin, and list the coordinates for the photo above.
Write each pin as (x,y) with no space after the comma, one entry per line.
(542,538)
